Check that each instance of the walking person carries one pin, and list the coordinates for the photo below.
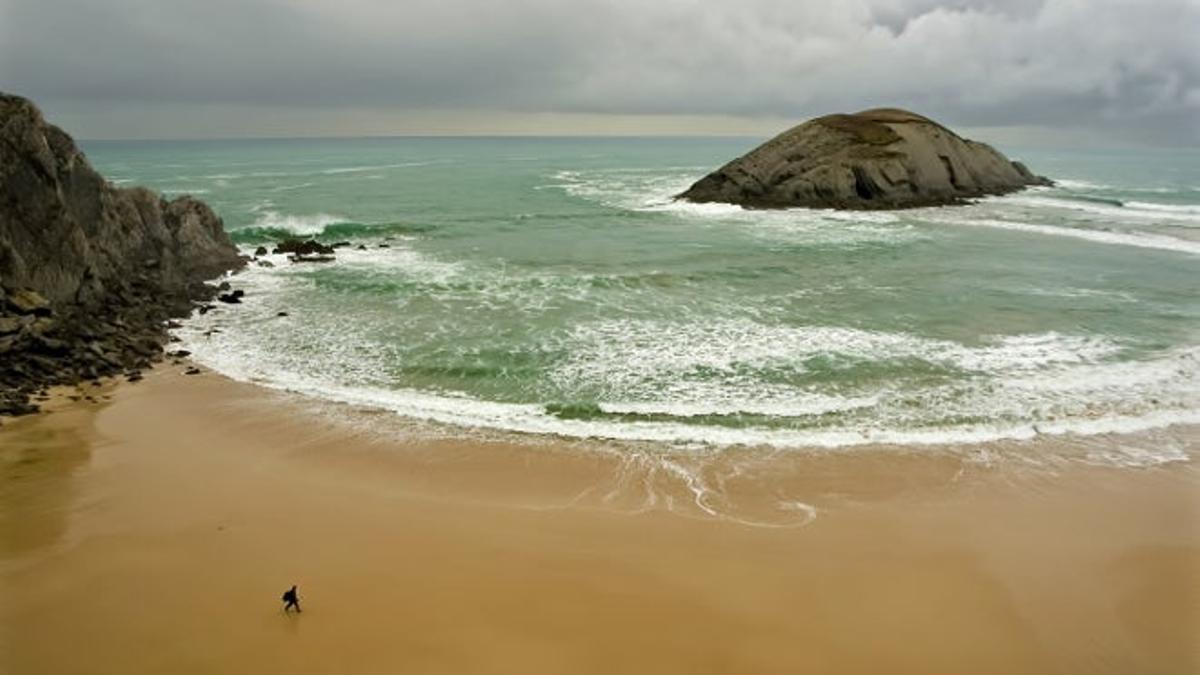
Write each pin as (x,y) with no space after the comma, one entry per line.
(291,599)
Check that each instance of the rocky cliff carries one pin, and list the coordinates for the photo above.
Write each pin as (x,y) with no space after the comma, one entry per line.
(89,272)
(876,159)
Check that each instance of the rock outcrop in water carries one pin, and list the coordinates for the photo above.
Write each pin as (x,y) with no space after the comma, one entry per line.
(876,159)
(89,272)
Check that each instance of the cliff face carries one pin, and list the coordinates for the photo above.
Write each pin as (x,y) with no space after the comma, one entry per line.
(876,159)
(89,272)
(68,234)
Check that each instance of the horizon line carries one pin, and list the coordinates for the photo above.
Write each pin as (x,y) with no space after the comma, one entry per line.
(584,136)
(331,137)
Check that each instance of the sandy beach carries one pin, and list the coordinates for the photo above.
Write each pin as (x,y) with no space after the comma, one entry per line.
(154,530)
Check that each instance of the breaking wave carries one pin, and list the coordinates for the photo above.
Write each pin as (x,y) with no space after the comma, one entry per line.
(272,225)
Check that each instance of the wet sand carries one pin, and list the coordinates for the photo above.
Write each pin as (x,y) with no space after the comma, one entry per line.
(155,532)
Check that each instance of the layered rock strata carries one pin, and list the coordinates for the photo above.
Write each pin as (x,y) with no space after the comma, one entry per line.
(884,158)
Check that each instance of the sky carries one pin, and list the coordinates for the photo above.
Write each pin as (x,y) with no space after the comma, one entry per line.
(1067,71)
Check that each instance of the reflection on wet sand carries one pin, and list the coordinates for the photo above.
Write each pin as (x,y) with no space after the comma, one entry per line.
(38,463)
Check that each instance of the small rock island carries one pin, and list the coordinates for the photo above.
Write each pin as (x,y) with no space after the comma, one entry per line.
(884,158)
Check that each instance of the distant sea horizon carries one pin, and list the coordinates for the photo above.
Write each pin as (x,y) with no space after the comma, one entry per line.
(1098,146)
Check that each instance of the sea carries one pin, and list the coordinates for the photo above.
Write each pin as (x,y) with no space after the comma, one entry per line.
(553,286)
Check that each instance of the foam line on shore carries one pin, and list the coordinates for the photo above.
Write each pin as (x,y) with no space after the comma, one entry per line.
(1139,239)
(468,412)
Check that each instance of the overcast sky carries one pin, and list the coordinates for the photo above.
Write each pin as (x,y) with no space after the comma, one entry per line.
(1124,71)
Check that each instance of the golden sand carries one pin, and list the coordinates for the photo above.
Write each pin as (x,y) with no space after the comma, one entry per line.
(154,533)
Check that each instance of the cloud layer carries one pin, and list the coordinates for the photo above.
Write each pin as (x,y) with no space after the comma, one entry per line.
(1121,65)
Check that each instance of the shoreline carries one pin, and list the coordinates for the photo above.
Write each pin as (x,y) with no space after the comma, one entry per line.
(208,339)
(159,528)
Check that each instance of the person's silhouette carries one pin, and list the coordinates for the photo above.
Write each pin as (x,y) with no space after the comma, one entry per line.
(291,599)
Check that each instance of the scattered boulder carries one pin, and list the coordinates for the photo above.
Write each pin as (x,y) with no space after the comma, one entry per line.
(28,301)
(50,346)
(884,158)
(41,325)
(303,247)
(230,298)
(261,250)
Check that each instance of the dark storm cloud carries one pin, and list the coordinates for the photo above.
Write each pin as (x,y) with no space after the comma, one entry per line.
(1105,64)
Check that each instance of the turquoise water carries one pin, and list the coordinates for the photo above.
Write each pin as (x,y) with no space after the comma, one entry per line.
(553,286)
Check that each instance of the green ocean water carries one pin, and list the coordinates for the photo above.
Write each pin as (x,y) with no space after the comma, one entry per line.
(551,285)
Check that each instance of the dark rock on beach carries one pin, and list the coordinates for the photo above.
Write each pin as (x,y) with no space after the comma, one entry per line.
(89,273)
(884,158)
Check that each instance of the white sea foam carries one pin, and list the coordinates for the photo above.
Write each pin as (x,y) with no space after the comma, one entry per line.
(306,224)
(294,186)
(399,260)
(252,174)
(184,190)
(634,351)
(631,189)
(1138,239)
(793,405)
(654,192)
(1080,184)
(1074,292)
(1133,210)
(372,167)
(1173,209)
(527,418)
(1033,385)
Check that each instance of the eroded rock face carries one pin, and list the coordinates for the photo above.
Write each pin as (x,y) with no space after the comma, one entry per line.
(70,235)
(876,159)
(89,272)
